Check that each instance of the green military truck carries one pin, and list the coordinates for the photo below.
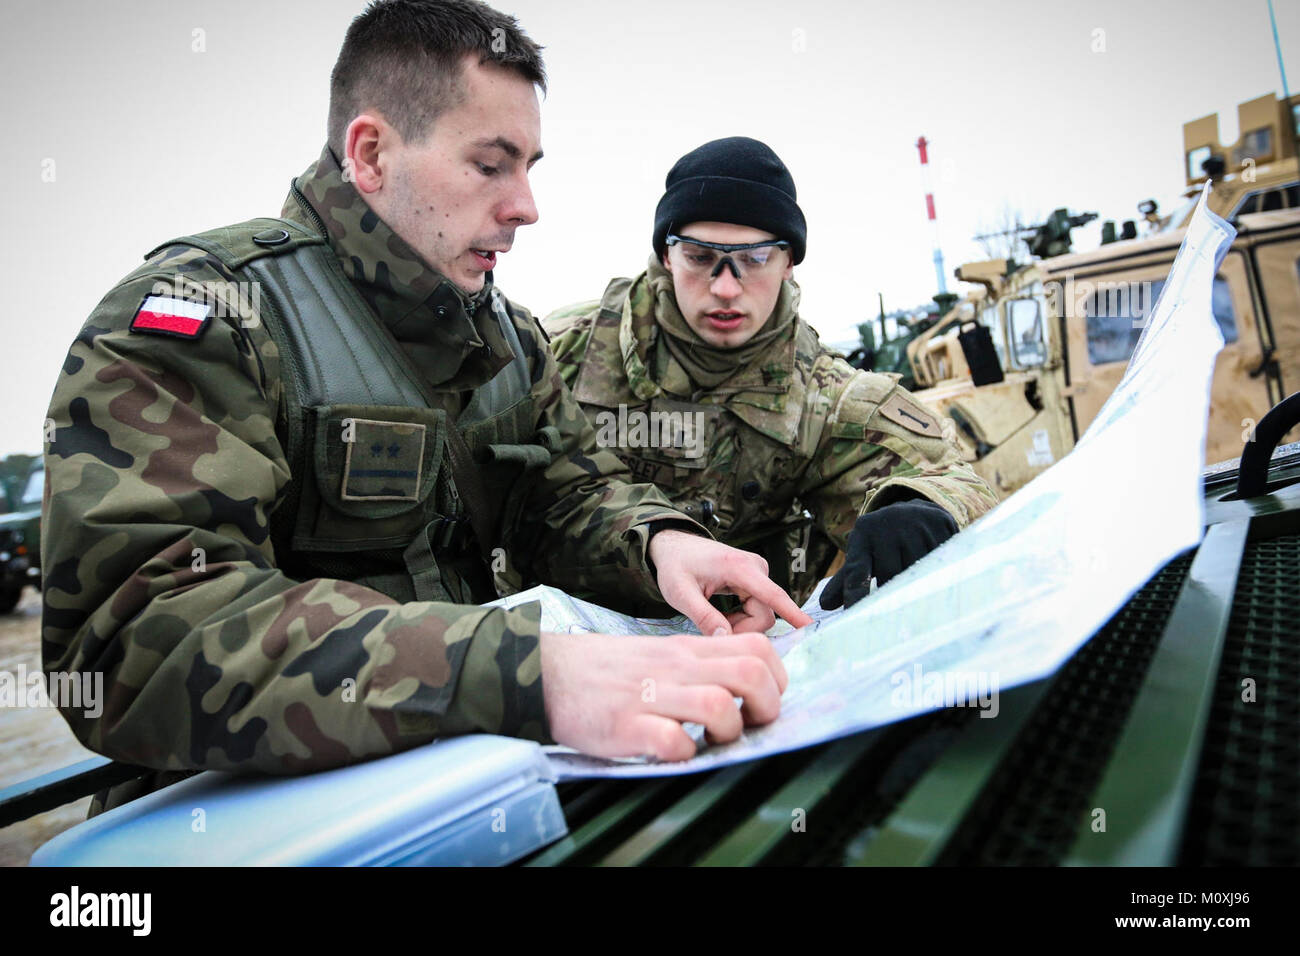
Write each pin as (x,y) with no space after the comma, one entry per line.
(1168,739)
(20,537)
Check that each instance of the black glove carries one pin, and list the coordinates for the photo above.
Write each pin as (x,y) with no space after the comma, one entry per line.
(882,544)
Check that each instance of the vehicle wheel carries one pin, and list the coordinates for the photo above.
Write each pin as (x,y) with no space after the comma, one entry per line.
(9,598)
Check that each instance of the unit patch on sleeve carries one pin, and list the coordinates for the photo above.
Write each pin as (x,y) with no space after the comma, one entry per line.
(167,315)
(910,415)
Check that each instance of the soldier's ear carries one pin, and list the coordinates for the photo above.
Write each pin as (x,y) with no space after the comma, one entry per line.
(789,265)
(363,144)
(667,265)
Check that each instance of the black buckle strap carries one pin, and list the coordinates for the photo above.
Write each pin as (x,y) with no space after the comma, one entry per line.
(444,532)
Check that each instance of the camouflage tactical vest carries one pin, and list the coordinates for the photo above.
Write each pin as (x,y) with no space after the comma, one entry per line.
(757,444)
(372,496)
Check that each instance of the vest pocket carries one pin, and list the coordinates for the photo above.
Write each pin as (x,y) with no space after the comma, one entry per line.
(510,451)
(372,470)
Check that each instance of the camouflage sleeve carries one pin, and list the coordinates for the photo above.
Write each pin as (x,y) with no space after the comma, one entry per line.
(161,581)
(592,524)
(569,329)
(881,445)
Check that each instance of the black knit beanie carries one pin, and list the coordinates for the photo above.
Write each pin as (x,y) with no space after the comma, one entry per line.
(737,180)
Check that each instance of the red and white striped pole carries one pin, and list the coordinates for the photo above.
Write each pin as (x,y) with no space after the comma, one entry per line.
(921,144)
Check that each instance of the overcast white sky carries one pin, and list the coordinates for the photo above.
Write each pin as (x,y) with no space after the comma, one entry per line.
(151,139)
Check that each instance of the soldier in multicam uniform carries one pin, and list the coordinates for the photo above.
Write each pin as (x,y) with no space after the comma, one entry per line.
(745,420)
(292,455)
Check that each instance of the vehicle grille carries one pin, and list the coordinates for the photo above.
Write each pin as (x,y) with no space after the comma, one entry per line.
(1031,810)
(1245,808)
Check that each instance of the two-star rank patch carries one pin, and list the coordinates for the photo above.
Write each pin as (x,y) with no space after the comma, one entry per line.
(167,315)
(383,461)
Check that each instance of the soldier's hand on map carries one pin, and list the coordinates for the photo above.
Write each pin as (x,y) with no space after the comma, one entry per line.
(882,544)
(625,696)
(693,568)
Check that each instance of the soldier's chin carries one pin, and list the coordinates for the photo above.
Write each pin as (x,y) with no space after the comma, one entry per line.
(732,339)
(468,278)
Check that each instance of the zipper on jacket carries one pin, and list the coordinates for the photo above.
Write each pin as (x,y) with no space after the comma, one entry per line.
(309,210)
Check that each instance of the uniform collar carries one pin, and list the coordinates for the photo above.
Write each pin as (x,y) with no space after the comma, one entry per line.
(454,337)
(650,370)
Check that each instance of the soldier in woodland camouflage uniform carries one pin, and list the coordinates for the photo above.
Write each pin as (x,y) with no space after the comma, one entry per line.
(259,527)
(709,334)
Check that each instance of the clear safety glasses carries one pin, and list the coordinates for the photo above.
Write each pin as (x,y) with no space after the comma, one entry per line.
(707,259)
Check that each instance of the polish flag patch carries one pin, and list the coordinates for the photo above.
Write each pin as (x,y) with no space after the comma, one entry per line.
(165,315)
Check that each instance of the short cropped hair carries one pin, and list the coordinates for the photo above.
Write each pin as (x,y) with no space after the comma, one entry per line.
(403,58)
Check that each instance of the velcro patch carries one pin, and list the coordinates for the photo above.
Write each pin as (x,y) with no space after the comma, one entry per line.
(654,472)
(383,460)
(683,430)
(910,415)
(168,315)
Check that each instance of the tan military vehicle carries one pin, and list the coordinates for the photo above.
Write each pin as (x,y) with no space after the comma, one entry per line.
(1060,329)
